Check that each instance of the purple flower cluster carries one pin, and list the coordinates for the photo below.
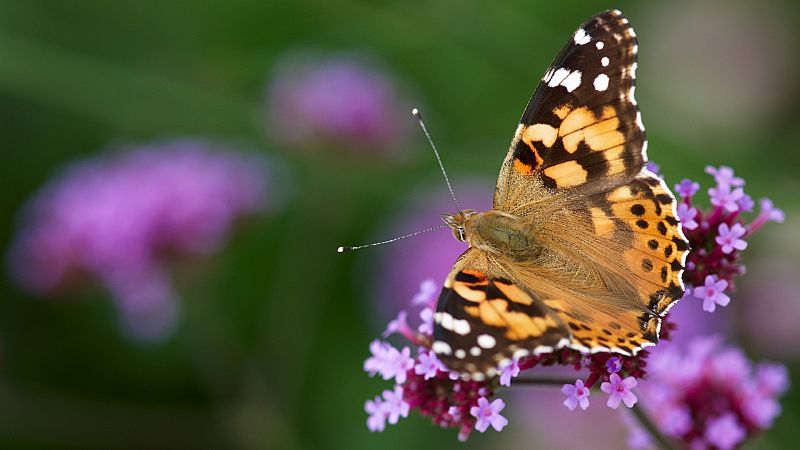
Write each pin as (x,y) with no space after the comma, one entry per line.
(711,396)
(718,235)
(429,388)
(116,217)
(339,101)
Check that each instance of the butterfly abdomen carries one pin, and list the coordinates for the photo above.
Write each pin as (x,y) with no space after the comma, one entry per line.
(501,233)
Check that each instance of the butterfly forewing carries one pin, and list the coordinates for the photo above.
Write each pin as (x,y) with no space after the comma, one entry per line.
(582,124)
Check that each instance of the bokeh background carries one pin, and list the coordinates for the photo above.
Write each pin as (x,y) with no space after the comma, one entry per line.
(266,344)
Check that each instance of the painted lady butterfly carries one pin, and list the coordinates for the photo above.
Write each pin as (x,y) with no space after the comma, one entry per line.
(582,248)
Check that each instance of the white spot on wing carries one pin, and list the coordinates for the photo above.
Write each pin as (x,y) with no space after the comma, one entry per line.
(604,61)
(581,37)
(634,66)
(460,353)
(601,82)
(599,45)
(475,351)
(461,327)
(486,341)
(441,347)
(639,120)
(572,81)
(558,77)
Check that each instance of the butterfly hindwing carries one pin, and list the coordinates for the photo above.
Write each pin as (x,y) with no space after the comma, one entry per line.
(483,319)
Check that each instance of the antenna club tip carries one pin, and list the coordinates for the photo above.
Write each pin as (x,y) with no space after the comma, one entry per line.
(343,249)
(415,112)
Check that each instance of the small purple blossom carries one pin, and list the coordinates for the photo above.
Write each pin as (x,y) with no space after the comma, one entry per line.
(724,432)
(686,214)
(426,315)
(729,237)
(653,167)
(388,361)
(772,379)
(619,390)
(397,325)
(712,293)
(767,213)
(614,364)
(577,395)
(687,188)
(428,365)
(376,421)
(426,294)
(746,203)
(723,197)
(724,176)
(509,371)
(489,414)
(394,406)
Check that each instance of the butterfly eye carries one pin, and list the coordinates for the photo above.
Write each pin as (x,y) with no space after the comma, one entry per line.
(461,236)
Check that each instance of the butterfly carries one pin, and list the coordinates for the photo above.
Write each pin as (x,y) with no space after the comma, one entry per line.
(582,247)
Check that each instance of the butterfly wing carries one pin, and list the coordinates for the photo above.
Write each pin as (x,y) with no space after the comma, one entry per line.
(483,318)
(575,169)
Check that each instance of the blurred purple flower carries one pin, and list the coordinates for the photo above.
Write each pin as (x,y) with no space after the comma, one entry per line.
(489,414)
(376,420)
(428,365)
(394,405)
(710,395)
(116,216)
(339,100)
(388,361)
(724,432)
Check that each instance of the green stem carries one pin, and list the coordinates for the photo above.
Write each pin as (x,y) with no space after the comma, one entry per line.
(662,442)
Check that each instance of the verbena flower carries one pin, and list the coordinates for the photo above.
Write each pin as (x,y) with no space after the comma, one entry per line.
(343,102)
(719,234)
(577,395)
(712,293)
(487,414)
(710,395)
(118,217)
(619,389)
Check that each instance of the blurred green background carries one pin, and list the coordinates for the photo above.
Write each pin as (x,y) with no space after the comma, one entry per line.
(275,327)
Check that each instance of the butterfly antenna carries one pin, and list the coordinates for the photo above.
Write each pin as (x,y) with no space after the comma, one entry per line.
(418,115)
(350,249)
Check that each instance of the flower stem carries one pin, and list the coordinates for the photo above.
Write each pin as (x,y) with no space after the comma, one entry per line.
(662,442)
(542,381)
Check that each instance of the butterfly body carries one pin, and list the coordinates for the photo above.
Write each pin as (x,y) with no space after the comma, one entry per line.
(582,247)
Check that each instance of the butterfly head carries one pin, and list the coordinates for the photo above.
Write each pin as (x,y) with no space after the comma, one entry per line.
(457,222)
